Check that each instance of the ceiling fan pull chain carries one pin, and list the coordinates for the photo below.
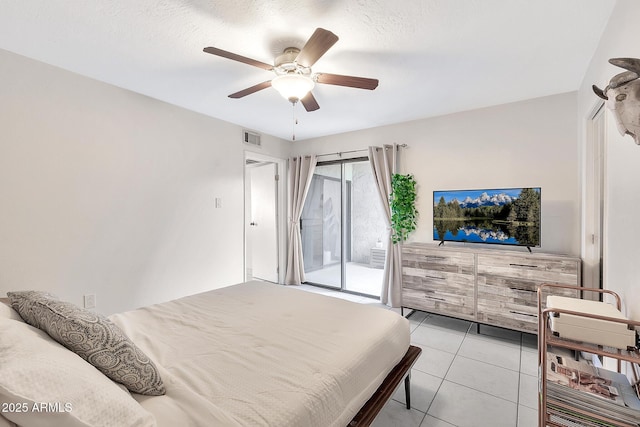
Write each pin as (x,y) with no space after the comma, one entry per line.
(293,121)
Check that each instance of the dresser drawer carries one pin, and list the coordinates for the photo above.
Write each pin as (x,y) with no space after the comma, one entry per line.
(497,285)
(434,260)
(516,318)
(539,269)
(523,288)
(436,301)
(441,288)
(416,278)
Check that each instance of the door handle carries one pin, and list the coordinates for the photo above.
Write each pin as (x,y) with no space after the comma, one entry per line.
(253,223)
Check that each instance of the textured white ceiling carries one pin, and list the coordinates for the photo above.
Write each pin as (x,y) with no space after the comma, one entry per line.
(432,57)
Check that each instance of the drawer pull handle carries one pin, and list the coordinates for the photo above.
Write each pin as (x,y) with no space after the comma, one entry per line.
(523,314)
(521,289)
(433,277)
(523,265)
(434,298)
(434,257)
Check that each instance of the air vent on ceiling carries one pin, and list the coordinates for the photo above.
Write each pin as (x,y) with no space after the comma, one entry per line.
(251,138)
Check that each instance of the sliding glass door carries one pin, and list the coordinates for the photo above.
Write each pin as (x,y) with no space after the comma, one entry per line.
(343,228)
(321,227)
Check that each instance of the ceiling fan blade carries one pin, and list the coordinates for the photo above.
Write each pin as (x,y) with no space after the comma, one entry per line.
(250,90)
(318,44)
(309,102)
(349,81)
(239,58)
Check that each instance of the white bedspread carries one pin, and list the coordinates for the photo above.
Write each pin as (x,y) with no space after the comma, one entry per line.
(257,354)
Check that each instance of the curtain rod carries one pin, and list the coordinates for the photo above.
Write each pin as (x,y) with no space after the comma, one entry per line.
(340,153)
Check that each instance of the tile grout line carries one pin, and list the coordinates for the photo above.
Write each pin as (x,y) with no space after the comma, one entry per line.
(426,412)
(519,379)
(482,391)
(427,315)
(489,363)
(445,376)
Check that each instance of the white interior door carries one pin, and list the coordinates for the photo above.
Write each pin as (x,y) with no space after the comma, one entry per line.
(263,230)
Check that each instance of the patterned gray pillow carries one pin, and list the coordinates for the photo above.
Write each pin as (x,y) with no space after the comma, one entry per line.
(25,309)
(91,336)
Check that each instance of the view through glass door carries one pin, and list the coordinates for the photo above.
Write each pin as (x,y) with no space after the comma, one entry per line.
(343,229)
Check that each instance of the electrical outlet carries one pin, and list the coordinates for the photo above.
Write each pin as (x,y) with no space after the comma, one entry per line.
(90,301)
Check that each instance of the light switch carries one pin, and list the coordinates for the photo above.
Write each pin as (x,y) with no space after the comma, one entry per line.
(218,202)
(90,301)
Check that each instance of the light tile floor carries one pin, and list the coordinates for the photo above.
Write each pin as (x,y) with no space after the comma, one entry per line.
(463,378)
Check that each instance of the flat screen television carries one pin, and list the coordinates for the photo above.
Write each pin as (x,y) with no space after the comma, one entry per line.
(505,216)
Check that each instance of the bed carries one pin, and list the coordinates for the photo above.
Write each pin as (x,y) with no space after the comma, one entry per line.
(252,354)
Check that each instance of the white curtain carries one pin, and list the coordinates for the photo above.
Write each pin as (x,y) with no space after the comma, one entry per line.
(383,162)
(300,173)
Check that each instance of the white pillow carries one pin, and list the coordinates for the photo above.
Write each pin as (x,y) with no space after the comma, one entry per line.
(6,312)
(35,371)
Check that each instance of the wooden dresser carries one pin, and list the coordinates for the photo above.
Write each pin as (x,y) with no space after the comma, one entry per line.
(494,287)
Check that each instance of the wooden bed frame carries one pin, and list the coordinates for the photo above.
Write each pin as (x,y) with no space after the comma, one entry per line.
(381,396)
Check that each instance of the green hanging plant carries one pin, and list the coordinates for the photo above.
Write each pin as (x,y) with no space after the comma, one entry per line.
(403,207)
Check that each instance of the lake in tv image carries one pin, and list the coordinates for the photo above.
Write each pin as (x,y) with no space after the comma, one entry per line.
(508,216)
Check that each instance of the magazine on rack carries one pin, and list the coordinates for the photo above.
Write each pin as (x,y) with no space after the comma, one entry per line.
(598,414)
(592,389)
(585,378)
(572,419)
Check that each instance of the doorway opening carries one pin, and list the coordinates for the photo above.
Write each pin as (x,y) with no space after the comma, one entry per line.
(593,261)
(264,212)
(343,228)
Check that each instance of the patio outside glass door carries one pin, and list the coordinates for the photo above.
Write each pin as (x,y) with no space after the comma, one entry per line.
(343,229)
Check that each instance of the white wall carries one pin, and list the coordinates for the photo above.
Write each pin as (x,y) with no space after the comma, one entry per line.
(109,192)
(530,143)
(622,182)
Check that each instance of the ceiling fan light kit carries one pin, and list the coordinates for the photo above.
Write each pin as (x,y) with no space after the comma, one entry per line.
(294,78)
(293,86)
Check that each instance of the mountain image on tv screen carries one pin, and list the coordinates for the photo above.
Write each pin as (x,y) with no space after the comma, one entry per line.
(508,216)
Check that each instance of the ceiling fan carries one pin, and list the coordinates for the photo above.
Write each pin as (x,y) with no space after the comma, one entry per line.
(294,77)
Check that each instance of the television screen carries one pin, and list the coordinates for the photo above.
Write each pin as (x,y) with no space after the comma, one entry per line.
(506,216)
